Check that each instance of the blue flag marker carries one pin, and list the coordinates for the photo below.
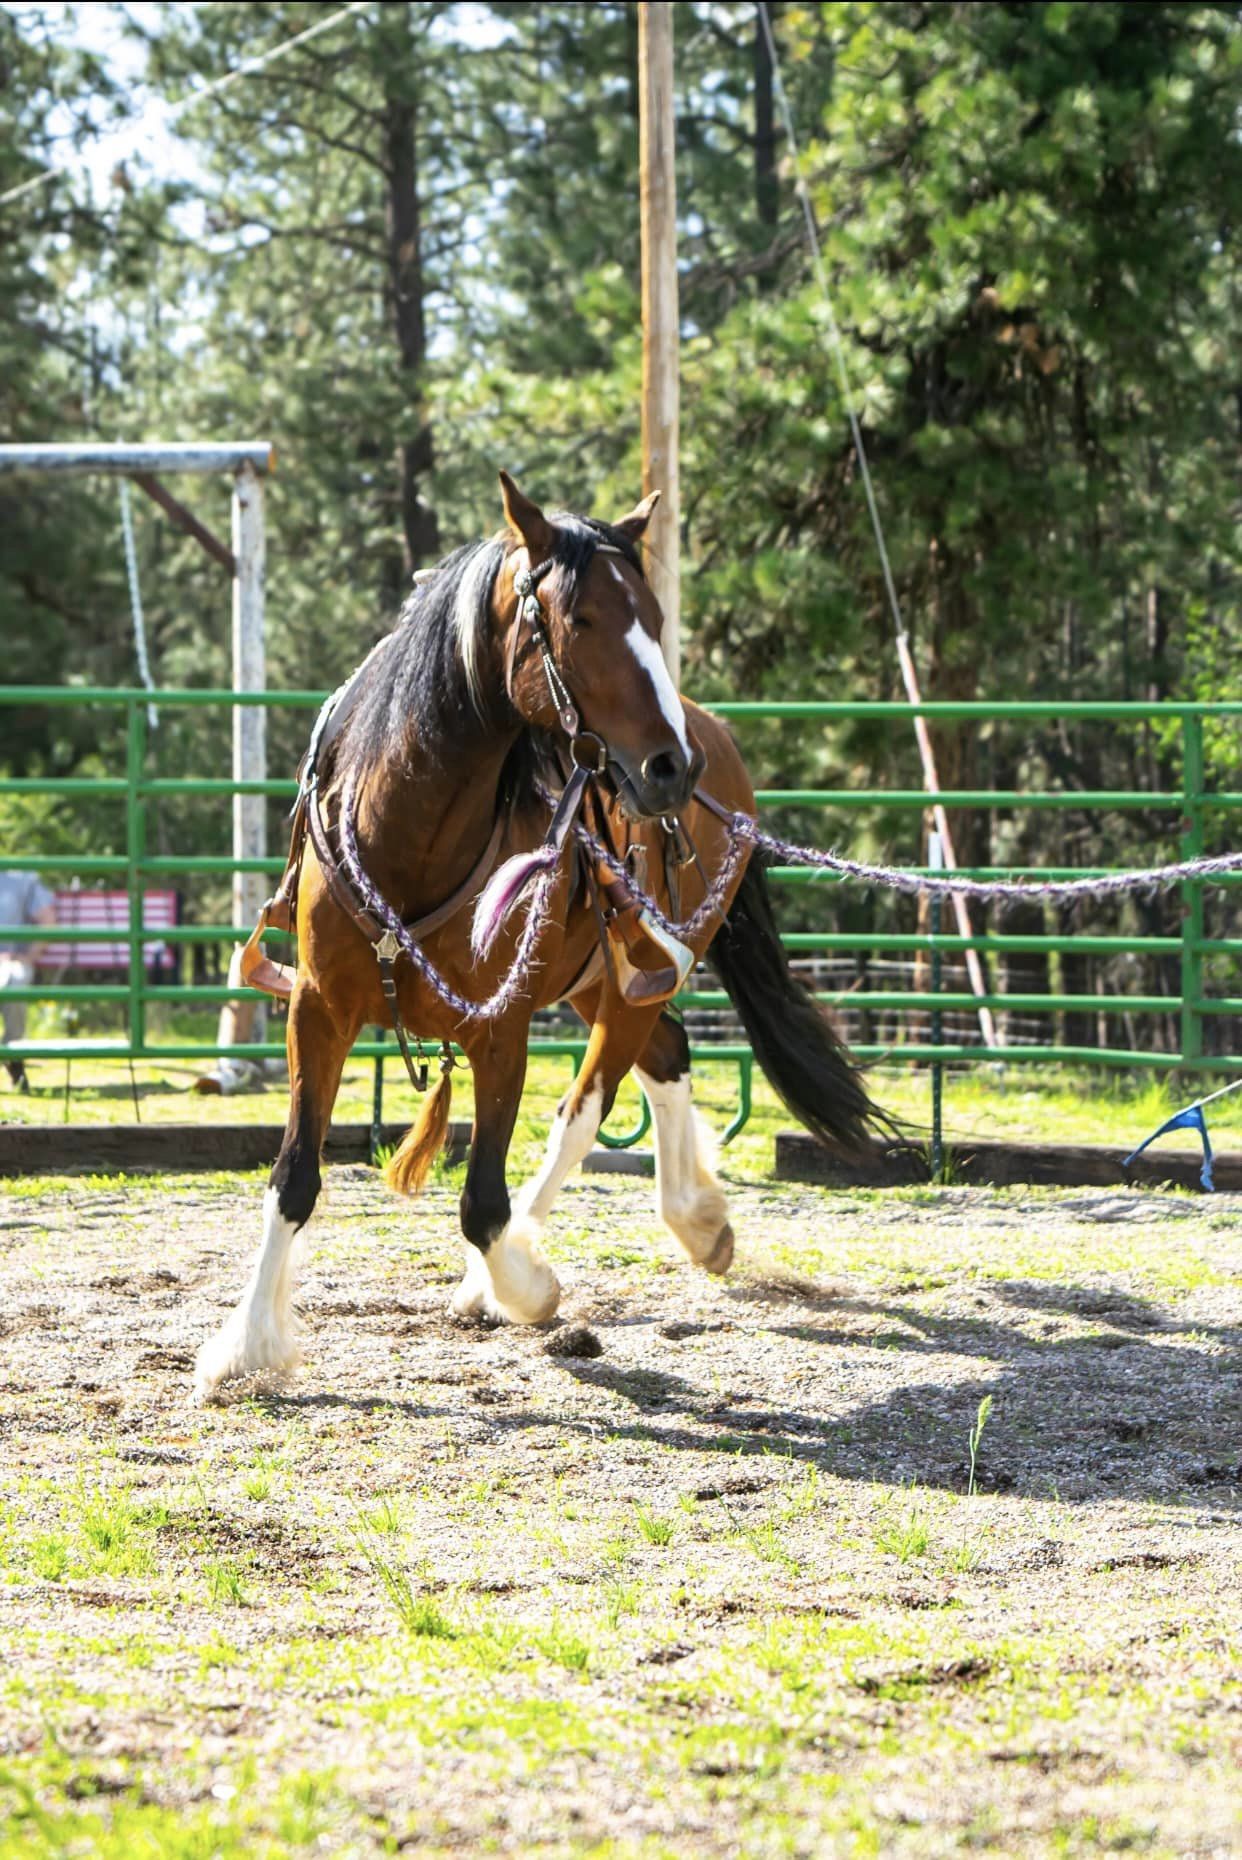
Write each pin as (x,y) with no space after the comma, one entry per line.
(1191,1118)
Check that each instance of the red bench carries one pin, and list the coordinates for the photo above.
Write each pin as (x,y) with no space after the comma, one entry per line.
(109,910)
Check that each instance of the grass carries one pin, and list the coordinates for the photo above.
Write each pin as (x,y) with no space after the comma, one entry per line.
(982,1417)
(226,1583)
(418,1613)
(907,1539)
(655,1530)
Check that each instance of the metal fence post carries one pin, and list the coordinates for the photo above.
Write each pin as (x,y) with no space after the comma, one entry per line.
(1192,890)
(249,674)
(135,852)
(935,859)
(377,1099)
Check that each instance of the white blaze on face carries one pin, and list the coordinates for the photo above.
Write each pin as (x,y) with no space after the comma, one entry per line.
(647,651)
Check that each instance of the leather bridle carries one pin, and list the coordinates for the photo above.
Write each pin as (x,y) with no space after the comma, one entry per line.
(587,749)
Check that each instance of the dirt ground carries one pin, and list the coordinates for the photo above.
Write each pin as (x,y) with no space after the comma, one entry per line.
(718,1589)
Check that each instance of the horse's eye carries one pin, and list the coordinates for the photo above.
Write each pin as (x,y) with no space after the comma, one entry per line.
(580,621)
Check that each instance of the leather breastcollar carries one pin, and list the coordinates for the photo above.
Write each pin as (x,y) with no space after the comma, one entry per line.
(338,882)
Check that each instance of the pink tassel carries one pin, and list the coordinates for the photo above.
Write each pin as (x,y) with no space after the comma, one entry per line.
(503,892)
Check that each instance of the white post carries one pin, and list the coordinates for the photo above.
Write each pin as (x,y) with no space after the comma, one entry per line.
(245,1019)
(661,316)
(249,674)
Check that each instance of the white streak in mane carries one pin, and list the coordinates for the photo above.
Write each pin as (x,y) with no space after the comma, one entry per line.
(470,618)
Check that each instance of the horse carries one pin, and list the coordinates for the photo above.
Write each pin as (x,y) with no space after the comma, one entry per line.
(522,670)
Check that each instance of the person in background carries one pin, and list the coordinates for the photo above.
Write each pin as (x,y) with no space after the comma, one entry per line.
(24,900)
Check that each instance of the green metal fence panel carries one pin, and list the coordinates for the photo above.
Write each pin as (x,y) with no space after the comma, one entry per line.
(1193,804)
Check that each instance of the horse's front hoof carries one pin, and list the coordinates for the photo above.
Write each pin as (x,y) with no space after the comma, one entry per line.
(526,1288)
(720,1258)
(244,1349)
(545,1312)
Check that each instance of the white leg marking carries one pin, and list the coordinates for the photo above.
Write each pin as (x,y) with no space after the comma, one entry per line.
(647,651)
(525,1286)
(512,1280)
(569,1140)
(474,1297)
(691,1201)
(260,1335)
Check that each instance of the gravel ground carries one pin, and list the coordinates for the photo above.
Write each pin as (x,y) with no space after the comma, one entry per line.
(697,1571)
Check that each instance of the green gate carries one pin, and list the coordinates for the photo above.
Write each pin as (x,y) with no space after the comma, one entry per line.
(1191,810)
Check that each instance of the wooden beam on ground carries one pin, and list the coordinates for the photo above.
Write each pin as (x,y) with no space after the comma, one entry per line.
(186,520)
(799,1158)
(661,314)
(99,1149)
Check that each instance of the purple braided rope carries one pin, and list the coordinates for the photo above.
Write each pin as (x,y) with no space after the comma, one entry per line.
(713,902)
(744,834)
(513,983)
(742,826)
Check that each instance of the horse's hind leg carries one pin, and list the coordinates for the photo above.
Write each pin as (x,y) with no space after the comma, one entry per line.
(260,1335)
(690,1199)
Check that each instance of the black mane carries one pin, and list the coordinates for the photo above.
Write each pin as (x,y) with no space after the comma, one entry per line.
(425,681)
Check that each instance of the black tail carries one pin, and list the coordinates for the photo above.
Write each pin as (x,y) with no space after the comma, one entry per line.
(793,1039)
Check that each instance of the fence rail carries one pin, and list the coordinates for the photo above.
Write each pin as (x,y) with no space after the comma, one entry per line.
(1193,806)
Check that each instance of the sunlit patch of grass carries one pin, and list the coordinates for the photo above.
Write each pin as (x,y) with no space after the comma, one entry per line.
(655,1529)
(216,1654)
(226,1583)
(383,1517)
(561,1645)
(116,1539)
(418,1613)
(620,1599)
(907,1538)
(50,1557)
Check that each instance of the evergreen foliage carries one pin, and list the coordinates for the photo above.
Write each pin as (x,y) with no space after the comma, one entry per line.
(409,254)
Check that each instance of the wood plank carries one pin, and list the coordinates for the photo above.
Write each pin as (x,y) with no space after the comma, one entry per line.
(1050,1165)
(107,1149)
(186,520)
(661,314)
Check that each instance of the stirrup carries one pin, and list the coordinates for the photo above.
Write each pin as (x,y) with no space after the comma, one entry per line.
(257,968)
(638,943)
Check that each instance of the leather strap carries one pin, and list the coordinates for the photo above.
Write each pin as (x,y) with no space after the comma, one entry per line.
(343,892)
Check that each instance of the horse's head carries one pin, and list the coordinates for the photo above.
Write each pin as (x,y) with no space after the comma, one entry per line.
(601,626)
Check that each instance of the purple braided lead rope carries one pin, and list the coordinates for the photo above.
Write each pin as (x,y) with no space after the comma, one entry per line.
(743,834)
(713,902)
(512,985)
(743,827)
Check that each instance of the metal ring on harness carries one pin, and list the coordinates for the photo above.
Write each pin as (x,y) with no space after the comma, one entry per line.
(589,752)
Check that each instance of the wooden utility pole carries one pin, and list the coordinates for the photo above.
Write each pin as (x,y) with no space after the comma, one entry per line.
(661,320)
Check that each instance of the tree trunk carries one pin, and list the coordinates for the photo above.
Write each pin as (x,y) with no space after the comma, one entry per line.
(420,531)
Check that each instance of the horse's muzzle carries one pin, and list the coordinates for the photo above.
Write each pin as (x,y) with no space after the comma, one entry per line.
(661,784)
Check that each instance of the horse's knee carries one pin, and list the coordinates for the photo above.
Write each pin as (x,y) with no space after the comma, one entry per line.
(297,1180)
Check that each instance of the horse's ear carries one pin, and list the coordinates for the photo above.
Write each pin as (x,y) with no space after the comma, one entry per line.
(525,519)
(633,525)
